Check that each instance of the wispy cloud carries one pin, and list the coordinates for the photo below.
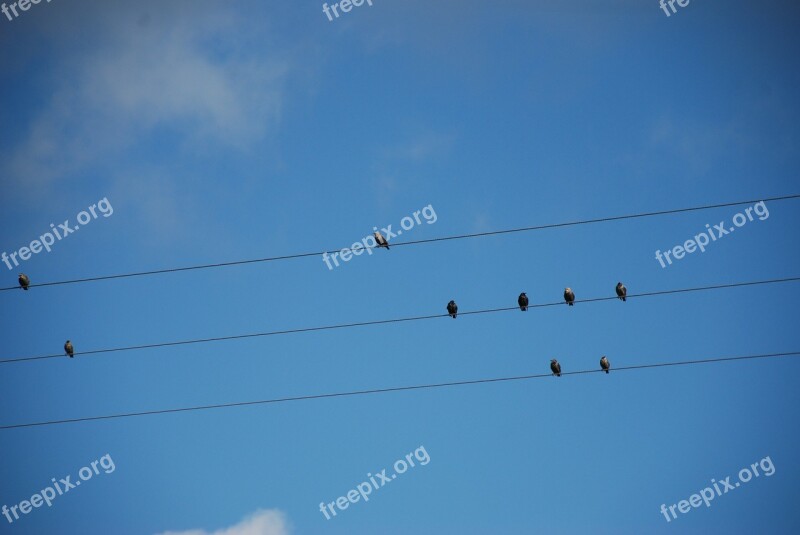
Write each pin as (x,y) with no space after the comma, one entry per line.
(193,82)
(262,522)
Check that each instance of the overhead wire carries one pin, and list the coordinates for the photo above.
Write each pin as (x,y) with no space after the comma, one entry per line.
(396,320)
(389,389)
(414,242)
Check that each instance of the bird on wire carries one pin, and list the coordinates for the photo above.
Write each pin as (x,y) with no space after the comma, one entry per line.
(452,309)
(569,296)
(622,291)
(380,240)
(604,364)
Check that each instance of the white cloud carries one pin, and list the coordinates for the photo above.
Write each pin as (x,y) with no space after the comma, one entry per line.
(262,522)
(196,78)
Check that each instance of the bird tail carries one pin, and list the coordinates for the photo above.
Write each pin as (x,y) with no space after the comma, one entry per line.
(606,371)
(623,299)
(25,288)
(571,303)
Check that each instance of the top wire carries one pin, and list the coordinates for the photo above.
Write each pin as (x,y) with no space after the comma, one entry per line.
(415,242)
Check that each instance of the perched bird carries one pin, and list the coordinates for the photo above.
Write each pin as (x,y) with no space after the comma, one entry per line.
(523,302)
(605,364)
(555,367)
(622,291)
(69,349)
(24,281)
(380,240)
(569,296)
(452,309)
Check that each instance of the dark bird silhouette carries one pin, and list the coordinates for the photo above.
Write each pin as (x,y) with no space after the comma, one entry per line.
(523,302)
(569,296)
(605,364)
(24,281)
(380,240)
(622,291)
(452,309)
(555,367)
(69,349)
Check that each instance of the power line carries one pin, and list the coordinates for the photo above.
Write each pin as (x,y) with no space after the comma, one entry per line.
(394,320)
(415,242)
(391,389)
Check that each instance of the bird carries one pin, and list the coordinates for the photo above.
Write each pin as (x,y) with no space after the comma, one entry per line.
(69,349)
(569,296)
(24,281)
(556,367)
(622,291)
(605,364)
(452,309)
(380,240)
(523,302)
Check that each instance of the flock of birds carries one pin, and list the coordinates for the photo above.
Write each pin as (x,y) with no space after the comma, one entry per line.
(452,309)
(569,298)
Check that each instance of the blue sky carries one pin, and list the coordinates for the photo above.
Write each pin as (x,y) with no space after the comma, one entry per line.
(223,131)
